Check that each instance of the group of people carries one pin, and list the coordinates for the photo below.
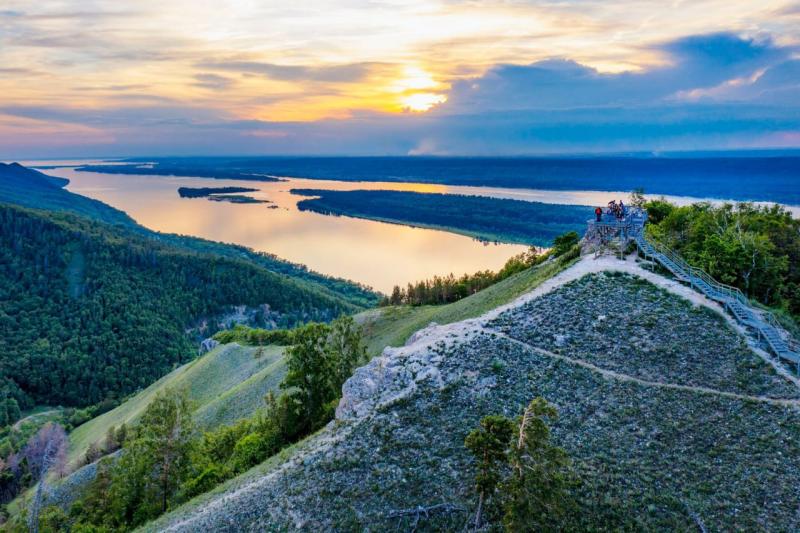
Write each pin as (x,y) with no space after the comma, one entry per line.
(617,210)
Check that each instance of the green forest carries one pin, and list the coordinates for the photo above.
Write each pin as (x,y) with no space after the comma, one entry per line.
(755,248)
(91,312)
(167,461)
(447,289)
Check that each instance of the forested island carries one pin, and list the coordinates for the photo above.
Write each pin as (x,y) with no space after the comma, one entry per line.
(203,192)
(489,219)
(221,194)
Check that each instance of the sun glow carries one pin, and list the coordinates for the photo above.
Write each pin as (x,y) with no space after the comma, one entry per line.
(417,90)
(421,102)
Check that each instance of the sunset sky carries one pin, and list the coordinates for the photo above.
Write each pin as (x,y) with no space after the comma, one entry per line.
(147,77)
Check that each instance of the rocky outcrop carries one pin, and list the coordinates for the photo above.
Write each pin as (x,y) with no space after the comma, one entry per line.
(398,372)
(207,345)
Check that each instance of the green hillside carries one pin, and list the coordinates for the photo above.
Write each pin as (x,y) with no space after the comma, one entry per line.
(393,325)
(224,385)
(30,188)
(92,311)
(670,419)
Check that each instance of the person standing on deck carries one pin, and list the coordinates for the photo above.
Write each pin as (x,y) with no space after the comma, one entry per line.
(598,212)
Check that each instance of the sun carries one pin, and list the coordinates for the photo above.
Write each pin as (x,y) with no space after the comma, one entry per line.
(421,102)
(417,90)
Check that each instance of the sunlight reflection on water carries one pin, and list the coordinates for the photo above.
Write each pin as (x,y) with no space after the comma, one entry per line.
(375,253)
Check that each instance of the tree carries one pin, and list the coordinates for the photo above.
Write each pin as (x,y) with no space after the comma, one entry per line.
(154,461)
(93,453)
(397,296)
(12,410)
(319,362)
(45,451)
(346,349)
(536,489)
(489,444)
(309,372)
(756,249)
(165,431)
(563,243)
(637,198)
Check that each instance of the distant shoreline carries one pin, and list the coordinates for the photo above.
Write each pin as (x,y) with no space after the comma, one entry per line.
(762,178)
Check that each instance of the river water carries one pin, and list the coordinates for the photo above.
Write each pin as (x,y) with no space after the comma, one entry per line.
(374,253)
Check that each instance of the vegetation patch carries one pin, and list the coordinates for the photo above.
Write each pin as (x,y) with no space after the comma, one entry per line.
(623,323)
(646,457)
(485,218)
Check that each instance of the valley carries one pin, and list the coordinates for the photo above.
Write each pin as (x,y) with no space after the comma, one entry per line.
(403,266)
(636,364)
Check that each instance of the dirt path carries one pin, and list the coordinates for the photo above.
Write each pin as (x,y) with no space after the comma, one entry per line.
(610,374)
(591,265)
(19,422)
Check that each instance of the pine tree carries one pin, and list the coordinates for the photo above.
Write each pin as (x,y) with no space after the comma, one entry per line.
(489,444)
(536,489)
(155,461)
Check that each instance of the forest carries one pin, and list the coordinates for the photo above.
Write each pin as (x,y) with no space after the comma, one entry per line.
(489,219)
(166,461)
(91,312)
(755,248)
(446,289)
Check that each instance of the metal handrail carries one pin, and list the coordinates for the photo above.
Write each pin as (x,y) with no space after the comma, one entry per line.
(792,344)
(633,226)
(726,290)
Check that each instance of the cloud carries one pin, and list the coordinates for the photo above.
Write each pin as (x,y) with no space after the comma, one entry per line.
(696,62)
(346,73)
(212,81)
(711,91)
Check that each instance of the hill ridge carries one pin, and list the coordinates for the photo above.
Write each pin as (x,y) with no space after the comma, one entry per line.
(408,374)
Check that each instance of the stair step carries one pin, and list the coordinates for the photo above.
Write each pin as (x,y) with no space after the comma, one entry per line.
(743,313)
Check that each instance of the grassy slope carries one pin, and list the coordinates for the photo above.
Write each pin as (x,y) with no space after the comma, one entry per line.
(229,382)
(650,456)
(392,326)
(224,385)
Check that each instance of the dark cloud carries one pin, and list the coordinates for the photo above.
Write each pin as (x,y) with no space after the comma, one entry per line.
(177,129)
(697,62)
(346,73)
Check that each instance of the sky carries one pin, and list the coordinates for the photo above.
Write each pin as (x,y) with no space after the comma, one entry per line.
(106,78)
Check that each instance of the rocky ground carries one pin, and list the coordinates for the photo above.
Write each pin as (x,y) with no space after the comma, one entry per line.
(671,420)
